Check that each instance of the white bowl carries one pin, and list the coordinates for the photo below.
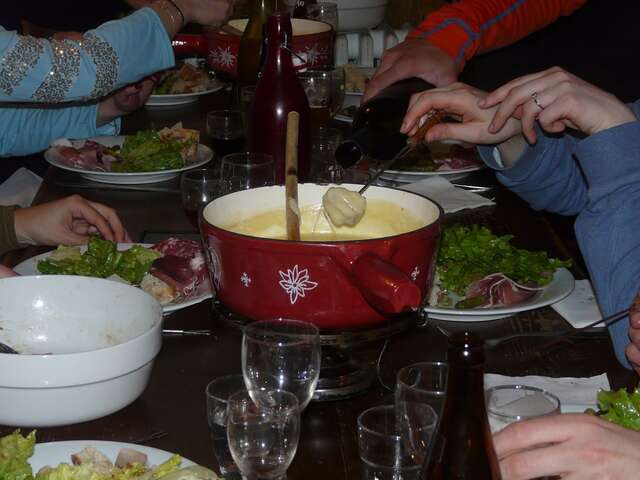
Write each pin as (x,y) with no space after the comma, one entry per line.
(360,14)
(87,348)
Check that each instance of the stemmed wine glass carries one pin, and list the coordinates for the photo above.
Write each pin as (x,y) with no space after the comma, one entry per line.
(247,170)
(263,428)
(326,12)
(282,354)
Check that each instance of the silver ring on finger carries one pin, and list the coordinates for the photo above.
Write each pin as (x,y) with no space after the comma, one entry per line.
(536,100)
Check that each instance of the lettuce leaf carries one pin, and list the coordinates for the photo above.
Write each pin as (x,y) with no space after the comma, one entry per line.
(620,407)
(15,451)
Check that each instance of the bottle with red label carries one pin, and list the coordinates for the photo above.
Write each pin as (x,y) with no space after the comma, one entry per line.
(278,93)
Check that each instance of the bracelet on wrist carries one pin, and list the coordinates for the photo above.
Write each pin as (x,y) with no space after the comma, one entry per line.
(179,10)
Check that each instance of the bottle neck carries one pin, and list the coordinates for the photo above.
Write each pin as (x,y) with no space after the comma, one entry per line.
(279,34)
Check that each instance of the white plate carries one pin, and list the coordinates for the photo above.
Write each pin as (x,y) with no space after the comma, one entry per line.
(132,178)
(401,176)
(54,453)
(561,286)
(170,100)
(30,267)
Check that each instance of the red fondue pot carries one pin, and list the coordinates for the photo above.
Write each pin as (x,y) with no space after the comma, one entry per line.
(335,285)
(312,40)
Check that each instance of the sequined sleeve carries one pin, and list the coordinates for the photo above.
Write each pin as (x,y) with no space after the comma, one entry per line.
(111,56)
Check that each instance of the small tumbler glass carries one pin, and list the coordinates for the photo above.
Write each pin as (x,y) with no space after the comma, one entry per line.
(218,392)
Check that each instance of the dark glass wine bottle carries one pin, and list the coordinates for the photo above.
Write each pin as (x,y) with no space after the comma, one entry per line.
(300,9)
(464,447)
(375,132)
(278,93)
(251,42)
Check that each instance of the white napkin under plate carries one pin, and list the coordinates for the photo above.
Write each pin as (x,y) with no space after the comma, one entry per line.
(20,188)
(450,198)
(581,307)
(575,394)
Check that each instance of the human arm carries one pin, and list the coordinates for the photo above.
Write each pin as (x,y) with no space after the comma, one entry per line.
(115,54)
(438,49)
(573,446)
(68,221)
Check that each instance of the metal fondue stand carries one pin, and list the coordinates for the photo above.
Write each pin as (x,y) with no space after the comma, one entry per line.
(349,358)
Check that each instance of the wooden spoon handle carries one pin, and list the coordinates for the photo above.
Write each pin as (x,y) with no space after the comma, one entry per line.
(291,177)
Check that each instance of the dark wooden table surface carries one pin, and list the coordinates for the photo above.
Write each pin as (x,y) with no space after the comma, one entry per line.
(174,401)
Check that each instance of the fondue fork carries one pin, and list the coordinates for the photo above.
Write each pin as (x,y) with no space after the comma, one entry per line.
(433,117)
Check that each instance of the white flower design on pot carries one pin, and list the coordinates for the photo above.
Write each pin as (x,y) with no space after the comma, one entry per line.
(415,273)
(296,283)
(245,279)
(223,57)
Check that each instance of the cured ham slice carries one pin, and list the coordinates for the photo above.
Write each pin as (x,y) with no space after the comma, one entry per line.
(91,156)
(175,272)
(498,290)
(189,250)
(455,158)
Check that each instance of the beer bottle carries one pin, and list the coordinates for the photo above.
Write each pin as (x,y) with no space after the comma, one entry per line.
(375,132)
(251,42)
(463,448)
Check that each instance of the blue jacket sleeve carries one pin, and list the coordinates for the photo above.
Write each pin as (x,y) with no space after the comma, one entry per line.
(29,130)
(112,55)
(543,175)
(607,227)
(597,178)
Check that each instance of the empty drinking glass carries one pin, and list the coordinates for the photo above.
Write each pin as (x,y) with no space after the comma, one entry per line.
(282,354)
(198,187)
(324,167)
(263,428)
(218,392)
(423,382)
(248,170)
(512,403)
(326,12)
(392,446)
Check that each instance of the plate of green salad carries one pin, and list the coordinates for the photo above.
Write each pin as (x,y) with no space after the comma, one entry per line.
(23,459)
(148,156)
(481,276)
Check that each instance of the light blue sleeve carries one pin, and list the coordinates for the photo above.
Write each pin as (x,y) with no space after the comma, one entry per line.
(543,175)
(113,55)
(29,130)
(607,228)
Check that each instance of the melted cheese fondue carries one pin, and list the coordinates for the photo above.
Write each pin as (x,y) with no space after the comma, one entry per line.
(381,219)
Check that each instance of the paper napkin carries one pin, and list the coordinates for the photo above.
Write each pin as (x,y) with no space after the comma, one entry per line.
(20,188)
(581,307)
(450,198)
(575,394)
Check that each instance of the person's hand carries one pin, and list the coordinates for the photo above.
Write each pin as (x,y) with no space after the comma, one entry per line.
(557,100)
(69,221)
(125,100)
(461,100)
(412,58)
(572,446)
(7,272)
(206,12)
(633,349)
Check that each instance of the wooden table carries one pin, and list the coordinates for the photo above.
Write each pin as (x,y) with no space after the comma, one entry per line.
(174,401)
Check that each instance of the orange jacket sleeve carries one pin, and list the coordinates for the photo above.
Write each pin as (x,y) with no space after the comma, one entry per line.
(468,27)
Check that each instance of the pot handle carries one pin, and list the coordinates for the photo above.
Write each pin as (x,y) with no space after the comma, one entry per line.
(189,44)
(384,285)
